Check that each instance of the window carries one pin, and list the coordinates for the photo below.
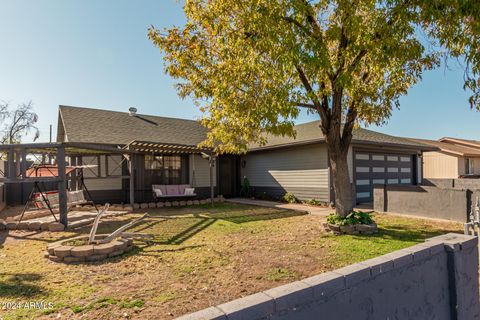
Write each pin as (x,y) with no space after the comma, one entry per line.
(468,166)
(163,169)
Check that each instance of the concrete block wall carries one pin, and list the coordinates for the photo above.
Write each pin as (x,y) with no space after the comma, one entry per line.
(424,201)
(461,184)
(437,279)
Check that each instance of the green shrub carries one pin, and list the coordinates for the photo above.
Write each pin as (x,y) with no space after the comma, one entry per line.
(354,217)
(289,197)
(245,188)
(314,202)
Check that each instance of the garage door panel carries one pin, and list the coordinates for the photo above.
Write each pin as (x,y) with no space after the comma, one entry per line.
(380,168)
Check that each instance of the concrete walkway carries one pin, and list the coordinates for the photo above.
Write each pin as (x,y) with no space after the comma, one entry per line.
(317,211)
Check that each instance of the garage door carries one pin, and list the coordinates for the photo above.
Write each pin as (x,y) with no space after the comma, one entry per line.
(380,168)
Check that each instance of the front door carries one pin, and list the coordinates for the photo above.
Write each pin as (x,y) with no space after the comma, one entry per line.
(228,175)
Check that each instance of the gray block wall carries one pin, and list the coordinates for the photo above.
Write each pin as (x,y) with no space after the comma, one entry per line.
(424,201)
(437,279)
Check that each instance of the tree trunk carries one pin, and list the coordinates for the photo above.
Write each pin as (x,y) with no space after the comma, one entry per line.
(337,154)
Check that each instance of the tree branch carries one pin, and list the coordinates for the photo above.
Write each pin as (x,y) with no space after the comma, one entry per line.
(322,109)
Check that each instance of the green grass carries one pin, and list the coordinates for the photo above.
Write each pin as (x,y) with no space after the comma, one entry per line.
(203,256)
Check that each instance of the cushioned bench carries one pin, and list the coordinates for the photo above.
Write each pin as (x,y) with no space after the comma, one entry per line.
(161,191)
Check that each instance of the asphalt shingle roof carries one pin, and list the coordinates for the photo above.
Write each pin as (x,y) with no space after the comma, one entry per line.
(113,127)
(311,132)
(452,148)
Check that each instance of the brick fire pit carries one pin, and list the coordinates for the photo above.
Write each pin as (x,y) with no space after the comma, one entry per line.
(76,250)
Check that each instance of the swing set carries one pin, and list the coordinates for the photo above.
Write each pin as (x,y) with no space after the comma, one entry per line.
(41,199)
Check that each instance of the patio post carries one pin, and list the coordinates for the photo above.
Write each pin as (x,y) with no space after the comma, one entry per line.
(23,165)
(62,186)
(131,180)
(73,175)
(212,192)
(11,163)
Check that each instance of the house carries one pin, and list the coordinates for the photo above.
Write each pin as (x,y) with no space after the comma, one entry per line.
(455,158)
(284,164)
(300,165)
(166,152)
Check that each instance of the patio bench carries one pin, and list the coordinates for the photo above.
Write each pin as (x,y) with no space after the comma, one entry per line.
(161,191)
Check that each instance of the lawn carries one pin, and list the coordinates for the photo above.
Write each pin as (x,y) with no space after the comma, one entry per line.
(199,256)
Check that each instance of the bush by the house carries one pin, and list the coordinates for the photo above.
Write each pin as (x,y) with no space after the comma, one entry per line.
(354,217)
(289,197)
(314,202)
(245,188)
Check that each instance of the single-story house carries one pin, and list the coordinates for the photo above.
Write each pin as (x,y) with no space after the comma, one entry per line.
(454,158)
(284,164)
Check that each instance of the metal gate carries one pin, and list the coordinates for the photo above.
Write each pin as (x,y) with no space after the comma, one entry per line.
(380,168)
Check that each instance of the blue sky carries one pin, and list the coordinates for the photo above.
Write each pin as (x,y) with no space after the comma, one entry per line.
(97,54)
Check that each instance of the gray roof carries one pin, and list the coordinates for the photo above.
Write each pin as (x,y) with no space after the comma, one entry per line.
(113,127)
(88,125)
(310,132)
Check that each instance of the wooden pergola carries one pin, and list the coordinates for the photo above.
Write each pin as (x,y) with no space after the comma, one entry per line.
(16,156)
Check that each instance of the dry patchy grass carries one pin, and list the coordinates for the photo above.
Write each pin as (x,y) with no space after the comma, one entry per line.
(198,257)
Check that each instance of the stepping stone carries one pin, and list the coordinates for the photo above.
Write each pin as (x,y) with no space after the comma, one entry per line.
(34,225)
(82,251)
(96,257)
(56,226)
(11,225)
(44,225)
(73,259)
(22,225)
(62,251)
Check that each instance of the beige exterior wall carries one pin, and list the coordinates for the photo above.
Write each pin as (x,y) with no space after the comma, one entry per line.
(437,165)
(302,171)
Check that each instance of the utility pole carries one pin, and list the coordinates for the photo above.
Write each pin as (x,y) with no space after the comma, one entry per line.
(50,133)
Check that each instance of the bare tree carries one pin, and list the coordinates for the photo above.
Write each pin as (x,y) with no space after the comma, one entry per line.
(17,122)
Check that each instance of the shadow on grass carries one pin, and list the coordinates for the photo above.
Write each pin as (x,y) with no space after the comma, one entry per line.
(20,285)
(404,233)
(172,229)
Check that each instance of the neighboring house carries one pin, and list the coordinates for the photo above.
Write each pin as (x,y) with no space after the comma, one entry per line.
(284,164)
(455,158)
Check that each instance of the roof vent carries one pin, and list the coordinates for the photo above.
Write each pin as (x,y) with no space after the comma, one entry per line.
(132,111)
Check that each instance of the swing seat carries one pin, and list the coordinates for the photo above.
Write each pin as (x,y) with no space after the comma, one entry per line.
(73,198)
(172,191)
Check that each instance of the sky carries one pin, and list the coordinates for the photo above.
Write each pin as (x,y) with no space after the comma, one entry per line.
(97,54)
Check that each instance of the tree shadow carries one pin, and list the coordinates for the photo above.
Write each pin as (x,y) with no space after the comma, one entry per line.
(20,285)
(405,233)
